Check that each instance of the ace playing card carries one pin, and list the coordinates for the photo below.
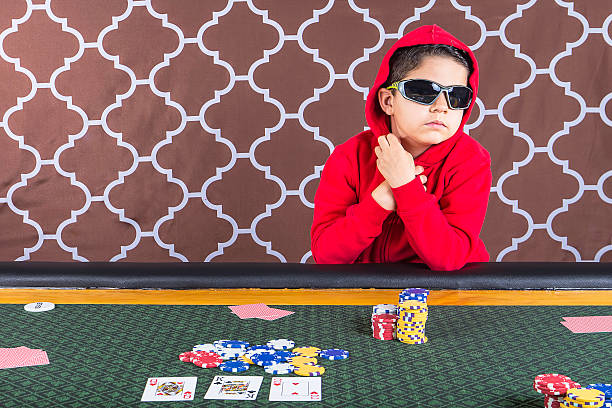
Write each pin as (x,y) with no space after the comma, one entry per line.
(295,389)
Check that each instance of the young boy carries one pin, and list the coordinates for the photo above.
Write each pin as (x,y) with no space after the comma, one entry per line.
(415,187)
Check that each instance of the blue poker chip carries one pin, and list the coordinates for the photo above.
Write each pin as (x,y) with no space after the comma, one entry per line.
(605,388)
(284,355)
(334,354)
(232,344)
(234,366)
(261,347)
(264,359)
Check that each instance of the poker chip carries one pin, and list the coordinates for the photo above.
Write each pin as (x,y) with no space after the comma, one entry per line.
(309,370)
(585,397)
(299,361)
(605,388)
(208,360)
(234,366)
(39,307)
(307,351)
(384,318)
(384,309)
(205,347)
(281,344)
(186,356)
(418,294)
(261,347)
(285,355)
(553,384)
(265,359)
(245,359)
(230,354)
(334,354)
(279,368)
(232,344)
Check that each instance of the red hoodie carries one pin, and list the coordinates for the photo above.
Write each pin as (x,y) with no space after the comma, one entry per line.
(440,226)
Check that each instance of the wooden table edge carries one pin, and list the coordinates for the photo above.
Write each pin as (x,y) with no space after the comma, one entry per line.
(301,296)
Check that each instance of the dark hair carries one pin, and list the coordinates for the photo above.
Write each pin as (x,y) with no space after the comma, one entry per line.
(405,59)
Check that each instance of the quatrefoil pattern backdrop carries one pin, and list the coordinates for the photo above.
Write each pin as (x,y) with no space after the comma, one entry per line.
(166,130)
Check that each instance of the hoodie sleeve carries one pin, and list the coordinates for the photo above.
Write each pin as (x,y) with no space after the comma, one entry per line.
(344,225)
(444,234)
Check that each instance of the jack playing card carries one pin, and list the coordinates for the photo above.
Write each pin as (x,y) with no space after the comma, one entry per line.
(170,389)
(295,389)
(234,387)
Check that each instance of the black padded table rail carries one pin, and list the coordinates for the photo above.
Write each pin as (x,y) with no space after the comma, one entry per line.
(191,275)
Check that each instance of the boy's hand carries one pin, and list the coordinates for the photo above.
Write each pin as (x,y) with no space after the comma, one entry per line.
(394,163)
(384,196)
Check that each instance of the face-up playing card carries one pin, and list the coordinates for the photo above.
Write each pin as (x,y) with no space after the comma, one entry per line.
(170,389)
(295,389)
(234,387)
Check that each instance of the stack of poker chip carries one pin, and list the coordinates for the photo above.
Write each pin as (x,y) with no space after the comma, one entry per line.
(384,318)
(554,387)
(412,316)
(606,389)
(584,398)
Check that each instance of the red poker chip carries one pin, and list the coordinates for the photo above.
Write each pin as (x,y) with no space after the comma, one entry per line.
(207,361)
(385,317)
(546,379)
(555,389)
(186,357)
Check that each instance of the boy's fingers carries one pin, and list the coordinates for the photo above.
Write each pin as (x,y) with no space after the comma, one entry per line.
(377,151)
(418,169)
(423,178)
(382,141)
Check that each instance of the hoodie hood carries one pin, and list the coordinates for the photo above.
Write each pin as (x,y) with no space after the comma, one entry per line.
(377,119)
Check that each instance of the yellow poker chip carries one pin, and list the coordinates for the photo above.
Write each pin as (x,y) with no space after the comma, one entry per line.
(310,370)
(299,361)
(406,304)
(582,395)
(307,351)
(246,359)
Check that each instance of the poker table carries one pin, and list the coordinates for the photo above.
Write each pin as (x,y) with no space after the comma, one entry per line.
(490,331)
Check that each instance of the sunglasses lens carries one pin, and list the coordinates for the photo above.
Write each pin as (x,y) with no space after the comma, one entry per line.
(425,92)
(459,97)
(420,91)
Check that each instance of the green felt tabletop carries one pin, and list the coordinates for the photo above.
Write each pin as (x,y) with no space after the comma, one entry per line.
(477,356)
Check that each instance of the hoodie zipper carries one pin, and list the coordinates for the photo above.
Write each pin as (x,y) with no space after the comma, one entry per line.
(384,250)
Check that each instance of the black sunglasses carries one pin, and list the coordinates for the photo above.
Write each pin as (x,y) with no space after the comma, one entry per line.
(425,92)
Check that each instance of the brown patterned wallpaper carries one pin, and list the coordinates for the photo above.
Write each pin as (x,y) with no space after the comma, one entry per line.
(191,130)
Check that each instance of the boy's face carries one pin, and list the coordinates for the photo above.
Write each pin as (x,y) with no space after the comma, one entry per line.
(420,126)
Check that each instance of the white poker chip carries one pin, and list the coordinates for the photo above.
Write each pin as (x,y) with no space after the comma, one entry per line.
(205,347)
(39,307)
(281,344)
(279,368)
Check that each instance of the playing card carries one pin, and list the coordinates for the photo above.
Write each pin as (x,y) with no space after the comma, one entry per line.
(295,389)
(37,357)
(276,314)
(234,387)
(15,357)
(170,389)
(259,310)
(588,324)
(251,310)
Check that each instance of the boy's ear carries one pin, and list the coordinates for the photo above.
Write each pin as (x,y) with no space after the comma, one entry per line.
(385,100)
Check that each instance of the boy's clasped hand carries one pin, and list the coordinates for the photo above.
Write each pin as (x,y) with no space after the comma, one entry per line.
(397,167)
